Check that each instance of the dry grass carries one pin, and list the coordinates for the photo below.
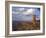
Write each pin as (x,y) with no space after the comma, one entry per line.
(26,26)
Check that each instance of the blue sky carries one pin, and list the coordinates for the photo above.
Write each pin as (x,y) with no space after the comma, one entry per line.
(25,13)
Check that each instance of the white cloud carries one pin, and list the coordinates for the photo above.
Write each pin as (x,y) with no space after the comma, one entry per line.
(16,12)
(29,11)
(21,9)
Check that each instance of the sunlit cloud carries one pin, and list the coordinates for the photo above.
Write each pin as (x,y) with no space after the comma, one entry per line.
(21,9)
(29,11)
(18,11)
(15,12)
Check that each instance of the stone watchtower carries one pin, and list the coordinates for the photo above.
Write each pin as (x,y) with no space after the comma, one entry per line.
(34,20)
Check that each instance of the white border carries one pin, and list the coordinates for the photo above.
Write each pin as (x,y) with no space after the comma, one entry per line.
(31,31)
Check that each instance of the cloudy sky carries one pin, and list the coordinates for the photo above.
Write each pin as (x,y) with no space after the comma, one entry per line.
(25,13)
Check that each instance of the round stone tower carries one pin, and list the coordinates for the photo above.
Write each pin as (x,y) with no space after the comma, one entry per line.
(34,19)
